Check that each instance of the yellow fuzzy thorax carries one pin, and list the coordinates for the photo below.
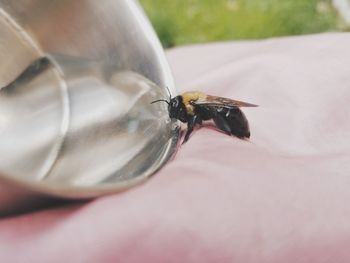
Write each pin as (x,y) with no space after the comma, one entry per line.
(192,96)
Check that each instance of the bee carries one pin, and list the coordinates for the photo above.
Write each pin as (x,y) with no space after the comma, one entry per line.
(194,107)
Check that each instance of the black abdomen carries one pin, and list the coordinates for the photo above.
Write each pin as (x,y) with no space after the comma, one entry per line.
(230,120)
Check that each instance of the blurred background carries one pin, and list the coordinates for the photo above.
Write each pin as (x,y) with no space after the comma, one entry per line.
(179,22)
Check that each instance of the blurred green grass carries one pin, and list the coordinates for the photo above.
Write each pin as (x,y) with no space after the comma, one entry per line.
(180,22)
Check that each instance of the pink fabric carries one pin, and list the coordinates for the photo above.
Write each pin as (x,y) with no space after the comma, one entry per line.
(282,197)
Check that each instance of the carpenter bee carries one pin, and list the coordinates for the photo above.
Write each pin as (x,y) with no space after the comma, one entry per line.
(194,107)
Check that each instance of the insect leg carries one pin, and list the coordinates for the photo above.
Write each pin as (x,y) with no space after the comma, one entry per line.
(190,126)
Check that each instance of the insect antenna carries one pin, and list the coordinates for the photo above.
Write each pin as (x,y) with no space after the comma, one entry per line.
(166,101)
(169,93)
(160,101)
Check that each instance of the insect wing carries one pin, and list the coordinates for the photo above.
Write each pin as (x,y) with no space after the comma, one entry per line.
(223,102)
